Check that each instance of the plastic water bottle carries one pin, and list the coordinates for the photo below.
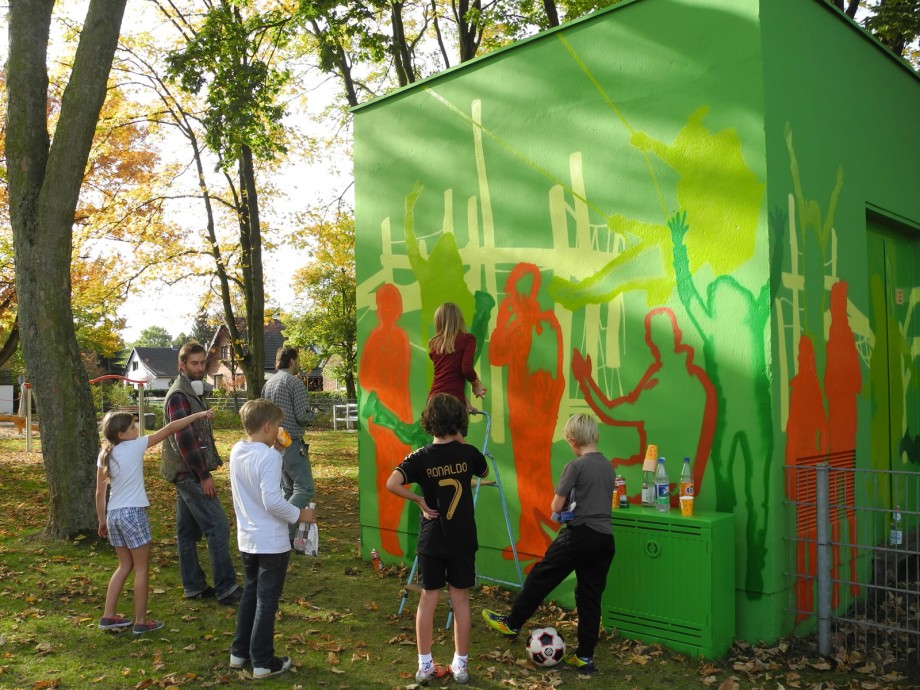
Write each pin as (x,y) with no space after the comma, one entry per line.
(896,537)
(662,488)
(686,479)
(648,488)
(376,563)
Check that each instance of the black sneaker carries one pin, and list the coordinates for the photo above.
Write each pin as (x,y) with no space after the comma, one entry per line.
(148,626)
(208,593)
(277,665)
(231,599)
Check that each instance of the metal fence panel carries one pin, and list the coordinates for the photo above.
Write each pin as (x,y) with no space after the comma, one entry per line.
(854,545)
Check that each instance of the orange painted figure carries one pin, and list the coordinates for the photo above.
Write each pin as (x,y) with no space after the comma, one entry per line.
(384,370)
(842,385)
(807,443)
(672,376)
(528,340)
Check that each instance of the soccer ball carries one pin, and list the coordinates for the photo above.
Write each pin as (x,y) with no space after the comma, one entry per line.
(545,647)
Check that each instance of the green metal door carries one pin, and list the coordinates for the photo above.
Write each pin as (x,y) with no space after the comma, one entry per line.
(894,313)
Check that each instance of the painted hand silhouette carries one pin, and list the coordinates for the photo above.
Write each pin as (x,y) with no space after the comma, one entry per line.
(678,225)
(581,366)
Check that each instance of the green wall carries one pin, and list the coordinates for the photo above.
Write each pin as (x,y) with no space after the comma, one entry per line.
(596,201)
(843,154)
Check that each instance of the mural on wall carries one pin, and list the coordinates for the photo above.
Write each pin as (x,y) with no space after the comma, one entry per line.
(527,340)
(384,372)
(671,375)
(573,297)
(820,419)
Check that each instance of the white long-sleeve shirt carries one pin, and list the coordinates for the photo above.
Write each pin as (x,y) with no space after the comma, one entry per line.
(262,514)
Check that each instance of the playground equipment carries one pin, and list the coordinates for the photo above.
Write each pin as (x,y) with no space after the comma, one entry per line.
(140,396)
(412,584)
(24,424)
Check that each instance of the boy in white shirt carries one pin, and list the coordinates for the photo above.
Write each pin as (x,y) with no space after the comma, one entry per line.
(262,519)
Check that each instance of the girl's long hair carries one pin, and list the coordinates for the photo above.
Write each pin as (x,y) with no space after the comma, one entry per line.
(448,323)
(113,424)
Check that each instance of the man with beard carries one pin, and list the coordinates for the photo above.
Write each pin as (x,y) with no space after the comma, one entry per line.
(189,457)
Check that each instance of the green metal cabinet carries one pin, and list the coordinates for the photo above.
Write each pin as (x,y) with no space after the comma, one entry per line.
(673,580)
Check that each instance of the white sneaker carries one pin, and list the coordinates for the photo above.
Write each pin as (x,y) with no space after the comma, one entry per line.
(461,675)
(237,662)
(278,664)
(432,672)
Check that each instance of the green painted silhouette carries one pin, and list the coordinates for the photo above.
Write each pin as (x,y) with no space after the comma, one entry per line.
(704,160)
(731,322)
(411,434)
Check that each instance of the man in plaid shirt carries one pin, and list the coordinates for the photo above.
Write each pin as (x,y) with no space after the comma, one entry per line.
(290,394)
(189,457)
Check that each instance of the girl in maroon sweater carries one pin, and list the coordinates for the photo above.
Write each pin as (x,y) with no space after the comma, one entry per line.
(451,350)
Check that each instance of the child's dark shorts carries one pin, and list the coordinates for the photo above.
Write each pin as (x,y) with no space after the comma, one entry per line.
(459,569)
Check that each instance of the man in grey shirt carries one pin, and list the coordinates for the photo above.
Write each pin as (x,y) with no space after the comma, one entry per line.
(584,544)
(290,394)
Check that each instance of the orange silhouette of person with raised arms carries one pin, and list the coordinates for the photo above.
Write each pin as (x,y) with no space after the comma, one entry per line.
(668,382)
(528,340)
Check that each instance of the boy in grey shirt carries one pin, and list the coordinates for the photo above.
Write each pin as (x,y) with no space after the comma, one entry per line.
(584,545)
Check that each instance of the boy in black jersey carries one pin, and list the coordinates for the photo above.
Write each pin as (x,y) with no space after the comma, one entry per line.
(447,540)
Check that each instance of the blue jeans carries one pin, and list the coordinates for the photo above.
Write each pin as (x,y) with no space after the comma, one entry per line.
(255,618)
(198,515)
(297,477)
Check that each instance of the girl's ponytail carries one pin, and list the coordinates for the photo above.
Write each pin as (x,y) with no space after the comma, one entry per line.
(113,424)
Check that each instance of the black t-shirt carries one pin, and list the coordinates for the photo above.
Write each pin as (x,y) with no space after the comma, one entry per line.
(445,471)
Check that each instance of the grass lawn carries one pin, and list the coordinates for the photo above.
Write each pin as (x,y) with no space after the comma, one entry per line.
(337,619)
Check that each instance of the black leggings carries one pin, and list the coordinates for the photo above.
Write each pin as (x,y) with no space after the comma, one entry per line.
(589,554)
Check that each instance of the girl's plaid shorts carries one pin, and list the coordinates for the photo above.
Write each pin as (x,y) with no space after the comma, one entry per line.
(128,527)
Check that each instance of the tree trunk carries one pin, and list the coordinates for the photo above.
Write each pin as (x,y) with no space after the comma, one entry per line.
(11,345)
(253,285)
(402,55)
(552,15)
(350,389)
(44,185)
(469,32)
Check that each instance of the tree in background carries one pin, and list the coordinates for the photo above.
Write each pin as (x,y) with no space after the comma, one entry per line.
(45,178)
(896,23)
(327,289)
(232,58)
(154,336)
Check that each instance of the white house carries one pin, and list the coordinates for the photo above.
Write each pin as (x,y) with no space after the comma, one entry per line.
(159,366)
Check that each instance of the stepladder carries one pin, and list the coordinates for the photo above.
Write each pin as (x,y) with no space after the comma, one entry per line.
(491,481)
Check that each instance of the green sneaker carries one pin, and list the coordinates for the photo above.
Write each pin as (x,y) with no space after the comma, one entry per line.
(580,663)
(499,623)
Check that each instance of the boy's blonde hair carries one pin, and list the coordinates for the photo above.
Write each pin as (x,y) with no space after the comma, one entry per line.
(256,413)
(581,429)
(448,322)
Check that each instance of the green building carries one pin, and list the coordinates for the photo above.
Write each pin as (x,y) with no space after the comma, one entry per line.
(697,220)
